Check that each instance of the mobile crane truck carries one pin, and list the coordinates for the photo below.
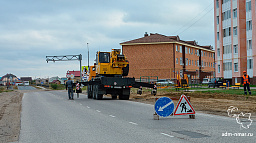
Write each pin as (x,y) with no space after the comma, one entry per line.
(107,76)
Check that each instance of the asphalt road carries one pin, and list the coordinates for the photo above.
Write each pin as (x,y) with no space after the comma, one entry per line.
(26,88)
(50,117)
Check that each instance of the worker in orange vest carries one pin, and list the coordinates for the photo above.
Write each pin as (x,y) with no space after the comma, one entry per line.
(246,83)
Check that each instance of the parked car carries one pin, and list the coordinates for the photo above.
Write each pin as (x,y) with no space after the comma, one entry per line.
(215,82)
(205,81)
(164,82)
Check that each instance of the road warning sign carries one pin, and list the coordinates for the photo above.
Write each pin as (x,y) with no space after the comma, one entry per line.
(77,86)
(184,107)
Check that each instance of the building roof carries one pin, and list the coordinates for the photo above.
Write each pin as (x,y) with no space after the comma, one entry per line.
(55,81)
(26,78)
(75,73)
(8,76)
(162,39)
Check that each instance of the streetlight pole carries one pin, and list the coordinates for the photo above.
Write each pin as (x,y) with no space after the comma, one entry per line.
(88,59)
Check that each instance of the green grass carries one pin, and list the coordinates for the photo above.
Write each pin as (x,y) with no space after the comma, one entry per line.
(228,91)
(58,87)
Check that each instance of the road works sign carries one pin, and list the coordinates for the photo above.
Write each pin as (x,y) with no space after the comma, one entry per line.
(164,106)
(184,107)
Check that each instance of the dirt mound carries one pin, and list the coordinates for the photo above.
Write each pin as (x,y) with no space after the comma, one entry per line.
(206,102)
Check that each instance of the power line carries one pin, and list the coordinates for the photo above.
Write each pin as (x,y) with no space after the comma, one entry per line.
(194,19)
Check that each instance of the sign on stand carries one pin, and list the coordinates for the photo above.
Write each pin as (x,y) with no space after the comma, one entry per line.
(164,106)
(184,107)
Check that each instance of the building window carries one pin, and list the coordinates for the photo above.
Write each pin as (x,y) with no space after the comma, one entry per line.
(235,67)
(189,51)
(211,64)
(177,61)
(248,25)
(249,64)
(235,48)
(181,63)
(217,19)
(218,36)
(189,62)
(177,48)
(192,51)
(249,44)
(192,62)
(186,50)
(227,49)
(248,6)
(217,3)
(195,62)
(218,68)
(198,63)
(227,32)
(218,52)
(226,15)
(180,49)
(234,13)
(186,61)
(235,30)
(227,66)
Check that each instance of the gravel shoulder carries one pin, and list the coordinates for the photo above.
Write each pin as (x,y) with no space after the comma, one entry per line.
(10,109)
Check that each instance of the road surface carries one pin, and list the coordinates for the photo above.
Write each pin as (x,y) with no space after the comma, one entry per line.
(49,116)
(26,88)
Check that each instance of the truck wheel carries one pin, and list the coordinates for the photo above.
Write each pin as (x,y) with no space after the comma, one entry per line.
(124,97)
(97,95)
(94,92)
(114,96)
(89,91)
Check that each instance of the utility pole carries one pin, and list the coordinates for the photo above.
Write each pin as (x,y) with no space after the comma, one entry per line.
(88,58)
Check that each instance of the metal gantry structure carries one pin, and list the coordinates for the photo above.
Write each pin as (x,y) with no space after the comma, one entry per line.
(66,58)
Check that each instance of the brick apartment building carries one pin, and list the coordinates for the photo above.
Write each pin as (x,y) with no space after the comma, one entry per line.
(235,39)
(165,56)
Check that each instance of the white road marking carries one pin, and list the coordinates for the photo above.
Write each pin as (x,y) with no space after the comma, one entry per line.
(167,135)
(98,110)
(88,107)
(112,116)
(133,123)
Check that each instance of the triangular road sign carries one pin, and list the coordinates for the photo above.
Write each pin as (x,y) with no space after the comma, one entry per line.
(184,107)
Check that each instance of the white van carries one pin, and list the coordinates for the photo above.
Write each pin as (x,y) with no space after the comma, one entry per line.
(26,83)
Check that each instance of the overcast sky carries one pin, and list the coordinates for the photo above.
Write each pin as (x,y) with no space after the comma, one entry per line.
(30,30)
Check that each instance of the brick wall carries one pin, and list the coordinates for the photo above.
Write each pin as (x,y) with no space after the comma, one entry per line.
(160,60)
(149,60)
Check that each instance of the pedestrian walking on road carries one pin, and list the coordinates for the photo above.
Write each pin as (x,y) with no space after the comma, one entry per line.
(246,83)
(69,87)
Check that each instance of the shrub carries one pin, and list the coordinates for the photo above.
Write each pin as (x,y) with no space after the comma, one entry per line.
(54,86)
